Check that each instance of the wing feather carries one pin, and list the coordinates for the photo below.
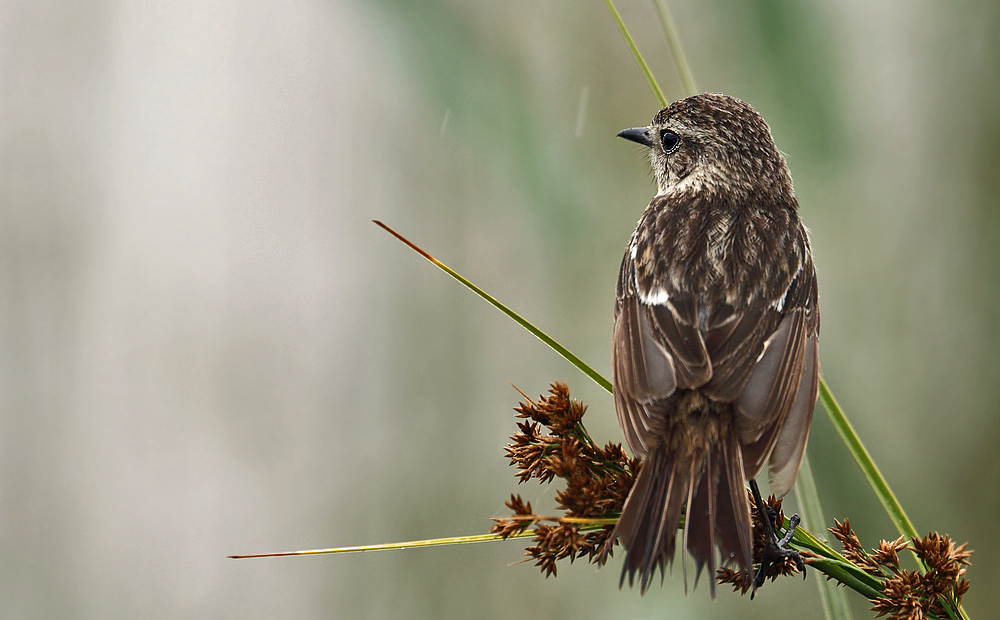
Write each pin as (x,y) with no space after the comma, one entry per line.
(736,349)
(685,343)
(759,353)
(643,374)
(791,441)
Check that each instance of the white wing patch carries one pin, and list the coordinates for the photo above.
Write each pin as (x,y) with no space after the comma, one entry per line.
(655,297)
(779,304)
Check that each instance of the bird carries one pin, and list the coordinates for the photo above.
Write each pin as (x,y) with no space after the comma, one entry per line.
(715,360)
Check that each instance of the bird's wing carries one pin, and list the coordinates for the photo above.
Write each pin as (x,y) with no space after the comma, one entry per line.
(760,355)
(771,375)
(657,349)
(643,372)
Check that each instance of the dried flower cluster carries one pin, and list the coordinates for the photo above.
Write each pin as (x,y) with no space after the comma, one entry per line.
(741,581)
(553,443)
(908,594)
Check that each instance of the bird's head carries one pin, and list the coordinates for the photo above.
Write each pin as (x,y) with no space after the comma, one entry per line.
(713,143)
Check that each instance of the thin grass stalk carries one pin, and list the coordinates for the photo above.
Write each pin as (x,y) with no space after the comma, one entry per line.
(874,476)
(653,86)
(832,598)
(558,348)
(413,544)
(865,462)
(832,563)
(676,51)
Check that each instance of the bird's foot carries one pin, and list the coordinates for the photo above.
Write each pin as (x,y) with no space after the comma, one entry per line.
(775,551)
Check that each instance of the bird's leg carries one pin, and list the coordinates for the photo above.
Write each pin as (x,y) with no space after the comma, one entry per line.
(774,550)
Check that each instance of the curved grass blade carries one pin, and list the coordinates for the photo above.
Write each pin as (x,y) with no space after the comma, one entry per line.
(558,348)
(865,462)
(827,557)
(638,57)
(832,598)
(874,476)
(414,544)
(680,61)
(847,574)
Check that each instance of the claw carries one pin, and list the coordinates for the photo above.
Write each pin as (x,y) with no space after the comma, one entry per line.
(774,550)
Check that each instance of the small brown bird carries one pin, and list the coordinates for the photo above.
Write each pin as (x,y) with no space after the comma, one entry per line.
(714,357)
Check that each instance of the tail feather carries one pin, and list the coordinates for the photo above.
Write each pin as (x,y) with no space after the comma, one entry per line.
(693,479)
(712,491)
(665,529)
(701,541)
(734,519)
(648,523)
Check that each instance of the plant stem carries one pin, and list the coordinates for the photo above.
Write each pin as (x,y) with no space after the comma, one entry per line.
(832,598)
(865,462)
(680,61)
(638,57)
(414,544)
(558,348)
(874,476)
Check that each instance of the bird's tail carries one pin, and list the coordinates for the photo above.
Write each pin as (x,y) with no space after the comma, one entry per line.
(710,485)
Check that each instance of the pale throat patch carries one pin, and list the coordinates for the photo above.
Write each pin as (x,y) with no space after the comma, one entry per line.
(705,177)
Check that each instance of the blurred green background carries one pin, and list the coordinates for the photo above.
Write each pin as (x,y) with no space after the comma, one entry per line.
(208,349)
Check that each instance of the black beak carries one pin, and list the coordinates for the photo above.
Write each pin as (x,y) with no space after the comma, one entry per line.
(637,134)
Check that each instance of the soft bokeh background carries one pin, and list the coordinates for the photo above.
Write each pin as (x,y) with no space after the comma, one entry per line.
(207,348)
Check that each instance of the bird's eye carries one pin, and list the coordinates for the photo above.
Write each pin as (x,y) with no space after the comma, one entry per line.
(669,140)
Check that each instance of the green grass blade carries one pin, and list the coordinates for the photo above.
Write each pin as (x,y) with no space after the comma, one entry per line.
(414,544)
(832,598)
(804,540)
(846,574)
(871,472)
(638,57)
(831,563)
(558,348)
(680,61)
(865,462)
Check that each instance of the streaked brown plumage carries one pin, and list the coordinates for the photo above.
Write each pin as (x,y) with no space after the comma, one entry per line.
(714,357)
